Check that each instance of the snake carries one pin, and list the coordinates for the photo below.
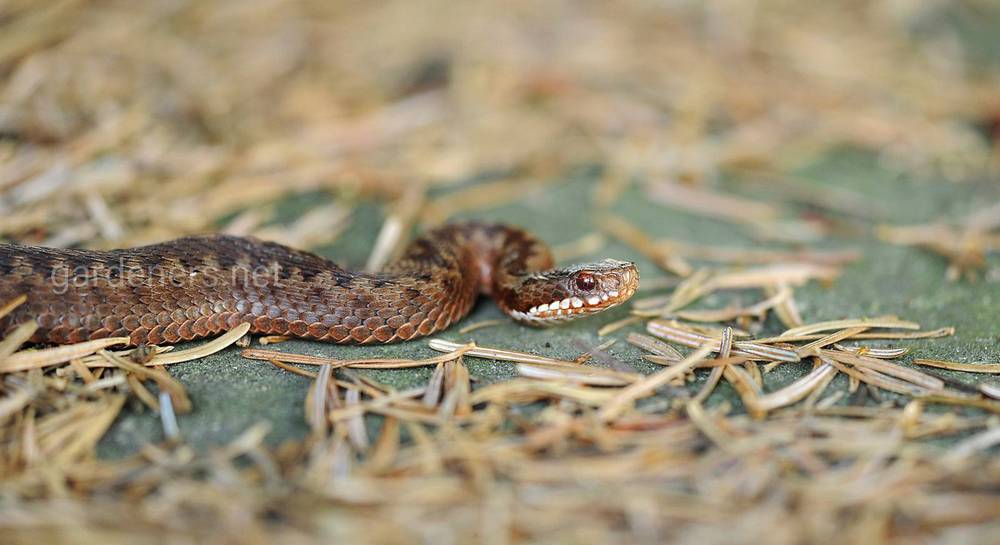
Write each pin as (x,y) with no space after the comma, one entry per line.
(203,285)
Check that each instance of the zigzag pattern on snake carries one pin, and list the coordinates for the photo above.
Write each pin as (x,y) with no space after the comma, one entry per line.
(200,286)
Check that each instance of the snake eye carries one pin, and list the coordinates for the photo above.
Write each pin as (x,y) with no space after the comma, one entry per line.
(585,282)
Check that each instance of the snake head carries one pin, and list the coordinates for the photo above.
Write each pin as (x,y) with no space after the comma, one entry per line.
(561,295)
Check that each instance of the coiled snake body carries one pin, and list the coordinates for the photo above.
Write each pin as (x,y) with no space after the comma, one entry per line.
(199,286)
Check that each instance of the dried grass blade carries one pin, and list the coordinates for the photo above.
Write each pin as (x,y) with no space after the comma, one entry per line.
(206,349)
(646,305)
(968,447)
(714,204)
(786,311)
(142,393)
(874,378)
(480,325)
(247,441)
(599,355)
(386,447)
(655,346)
(462,387)
(163,380)
(9,306)
(887,322)
(639,241)
(690,290)
(903,373)
(785,274)
(168,418)
(755,374)
(292,369)
(50,23)
(705,424)
(813,399)
(594,376)
(706,364)
(725,349)
(305,359)
(479,196)
(37,359)
(529,390)
(380,403)
(396,226)
(12,342)
(880,353)
(744,256)
(746,388)
(875,335)
(116,379)
(990,390)
(955,398)
(609,328)
(500,354)
(356,432)
(586,245)
(89,431)
(82,370)
(767,352)
(797,390)
(96,361)
(370,363)
(435,386)
(455,402)
(988,368)
(713,380)
(429,456)
(320,225)
(758,310)
(18,399)
(674,333)
(648,385)
(317,402)
(811,348)
(710,315)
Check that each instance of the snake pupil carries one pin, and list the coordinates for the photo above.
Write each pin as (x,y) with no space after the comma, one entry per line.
(585,282)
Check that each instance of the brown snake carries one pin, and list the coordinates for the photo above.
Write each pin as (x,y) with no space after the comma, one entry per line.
(199,286)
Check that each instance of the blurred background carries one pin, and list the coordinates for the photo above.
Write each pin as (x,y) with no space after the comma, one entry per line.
(739,149)
(123,122)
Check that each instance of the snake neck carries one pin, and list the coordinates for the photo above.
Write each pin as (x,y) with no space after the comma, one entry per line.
(517,270)
(490,259)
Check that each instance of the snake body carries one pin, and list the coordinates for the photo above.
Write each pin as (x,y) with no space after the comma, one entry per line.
(200,286)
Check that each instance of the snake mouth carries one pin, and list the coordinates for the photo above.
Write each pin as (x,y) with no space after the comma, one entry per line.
(583,290)
(580,305)
(572,306)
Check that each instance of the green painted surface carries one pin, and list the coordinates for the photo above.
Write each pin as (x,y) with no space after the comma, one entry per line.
(230,393)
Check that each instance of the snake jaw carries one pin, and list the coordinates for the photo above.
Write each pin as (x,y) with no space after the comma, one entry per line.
(609,284)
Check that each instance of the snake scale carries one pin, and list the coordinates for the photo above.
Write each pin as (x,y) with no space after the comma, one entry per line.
(199,286)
